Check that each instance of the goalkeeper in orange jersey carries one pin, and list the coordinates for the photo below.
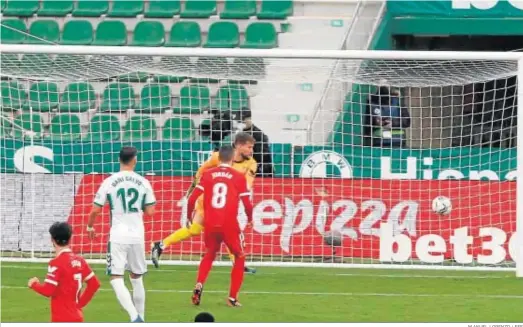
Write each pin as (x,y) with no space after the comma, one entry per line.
(243,162)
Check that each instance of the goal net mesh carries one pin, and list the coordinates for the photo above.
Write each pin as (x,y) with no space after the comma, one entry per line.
(356,152)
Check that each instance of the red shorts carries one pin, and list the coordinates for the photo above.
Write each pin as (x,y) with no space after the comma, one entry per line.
(233,240)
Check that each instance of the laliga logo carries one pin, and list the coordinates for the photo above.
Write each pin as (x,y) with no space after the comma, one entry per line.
(316,165)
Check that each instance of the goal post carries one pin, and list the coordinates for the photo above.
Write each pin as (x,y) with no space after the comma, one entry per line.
(67,110)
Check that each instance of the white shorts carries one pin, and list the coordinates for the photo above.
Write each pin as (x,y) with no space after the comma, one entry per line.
(122,257)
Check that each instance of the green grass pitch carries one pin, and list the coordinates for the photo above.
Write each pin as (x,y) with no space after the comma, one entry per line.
(292,295)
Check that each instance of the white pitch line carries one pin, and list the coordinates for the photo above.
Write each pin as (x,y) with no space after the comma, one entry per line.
(425,276)
(483,296)
(262,272)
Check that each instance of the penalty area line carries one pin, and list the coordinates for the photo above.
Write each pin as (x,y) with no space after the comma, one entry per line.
(482,296)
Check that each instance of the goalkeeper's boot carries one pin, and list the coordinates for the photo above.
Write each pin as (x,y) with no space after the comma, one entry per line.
(233,302)
(156,252)
(138,319)
(249,270)
(197,294)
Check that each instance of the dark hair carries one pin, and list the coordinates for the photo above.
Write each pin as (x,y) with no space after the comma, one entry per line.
(226,153)
(242,138)
(61,233)
(245,113)
(204,317)
(127,154)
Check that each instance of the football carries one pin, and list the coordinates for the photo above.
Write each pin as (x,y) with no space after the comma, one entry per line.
(441,205)
(333,238)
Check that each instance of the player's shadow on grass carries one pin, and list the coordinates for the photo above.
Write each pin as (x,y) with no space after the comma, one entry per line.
(204,317)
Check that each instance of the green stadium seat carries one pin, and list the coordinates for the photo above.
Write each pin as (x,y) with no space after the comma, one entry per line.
(103,128)
(77,97)
(199,9)
(110,32)
(260,36)
(155,98)
(77,32)
(227,140)
(135,77)
(193,99)
(13,96)
(211,66)
(238,9)
(185,34)
(140,127)
(162,9)
(65,127)
(43,97)
(271,9)
(55,8)
(118,97)
(168,79)
(223,35)
(43,32)
(13,31)
(178,128)
(148,34)
(28,122)
(90,8)
(123,8)
(2,5)
(232,97)
(21,8)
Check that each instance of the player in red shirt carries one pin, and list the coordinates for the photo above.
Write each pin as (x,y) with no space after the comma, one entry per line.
(222,188)
(65,276)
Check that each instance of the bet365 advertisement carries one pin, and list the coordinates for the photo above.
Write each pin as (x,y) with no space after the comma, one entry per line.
(389,220)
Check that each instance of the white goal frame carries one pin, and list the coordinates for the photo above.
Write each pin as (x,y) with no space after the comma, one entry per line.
(316,54)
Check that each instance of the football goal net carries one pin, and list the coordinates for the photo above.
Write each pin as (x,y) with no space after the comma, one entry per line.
(355,147)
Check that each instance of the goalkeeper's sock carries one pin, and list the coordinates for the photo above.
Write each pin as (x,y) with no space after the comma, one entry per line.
(124,297)
(195,229)
(139,296)
(176,237)
(237,277)
(205,267)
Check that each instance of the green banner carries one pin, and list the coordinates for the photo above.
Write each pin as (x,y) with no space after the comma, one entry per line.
(457,8)
(184,158)
(366,162)
(158,157)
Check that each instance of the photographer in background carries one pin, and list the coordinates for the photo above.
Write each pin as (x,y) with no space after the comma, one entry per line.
(220,127)
(385,119)
(262,151)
